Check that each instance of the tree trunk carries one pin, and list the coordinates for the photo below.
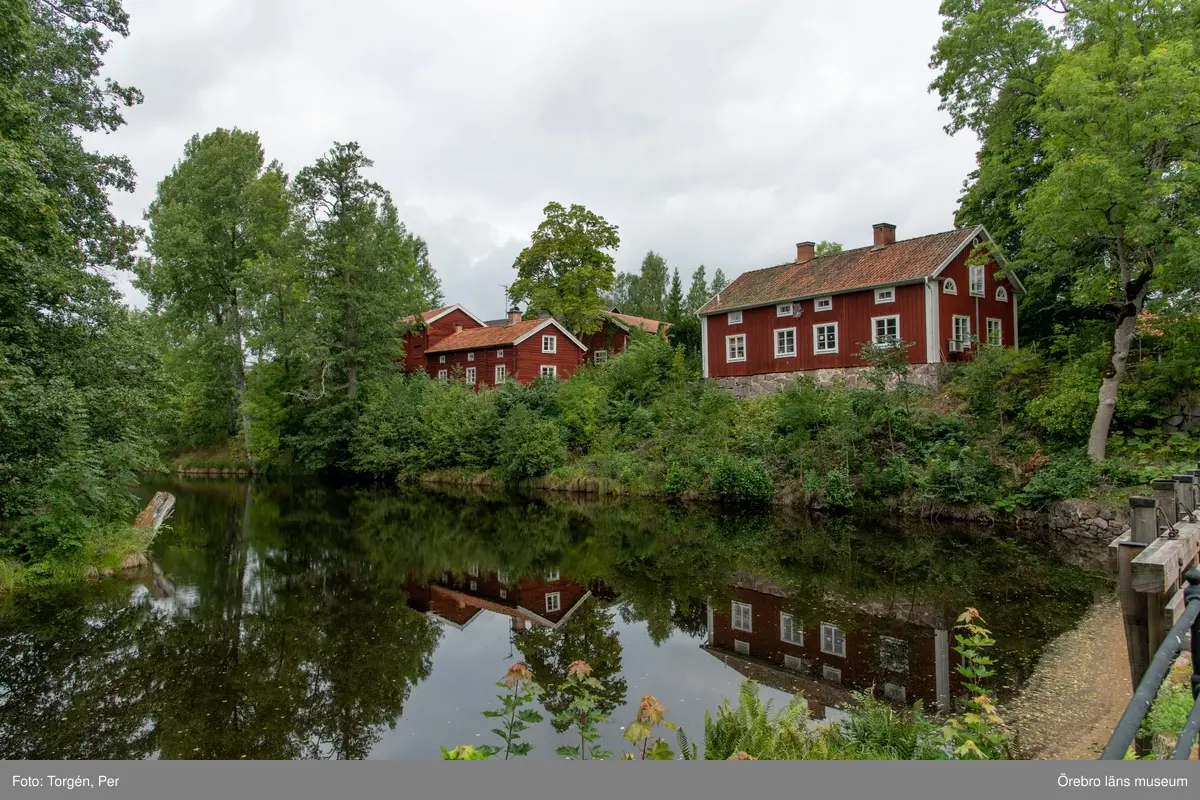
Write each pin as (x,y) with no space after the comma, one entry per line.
(239,378)
(1115,372)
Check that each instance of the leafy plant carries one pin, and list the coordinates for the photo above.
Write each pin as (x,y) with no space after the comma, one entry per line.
(582,714)
(978,733)
(513,715)
(641,731)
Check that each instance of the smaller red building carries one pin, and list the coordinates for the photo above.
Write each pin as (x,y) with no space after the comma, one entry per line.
(546,601)
(613,336)
(430,327)
(522,351)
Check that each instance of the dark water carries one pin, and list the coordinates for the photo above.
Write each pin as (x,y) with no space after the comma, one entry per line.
(302,621)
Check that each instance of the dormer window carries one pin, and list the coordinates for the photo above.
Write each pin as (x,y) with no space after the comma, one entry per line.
(949,286)
(885,295)
(1001,294)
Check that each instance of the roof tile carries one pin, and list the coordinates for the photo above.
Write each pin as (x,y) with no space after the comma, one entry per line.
(479,338)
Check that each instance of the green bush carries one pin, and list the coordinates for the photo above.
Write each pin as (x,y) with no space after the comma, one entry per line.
(960,475)
(839,492)
(741,480)
(1064,476)
(529,447)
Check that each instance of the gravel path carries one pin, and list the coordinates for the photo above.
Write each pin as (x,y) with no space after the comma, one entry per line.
(1075,697)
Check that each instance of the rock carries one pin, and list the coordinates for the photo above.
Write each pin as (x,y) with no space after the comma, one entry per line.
(134,561)
(1108,515)
(108,573)
(1099,523)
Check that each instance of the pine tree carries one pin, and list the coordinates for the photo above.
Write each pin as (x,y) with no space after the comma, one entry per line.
(675,299)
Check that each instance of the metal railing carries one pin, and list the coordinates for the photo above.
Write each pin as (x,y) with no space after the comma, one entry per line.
(1131,721)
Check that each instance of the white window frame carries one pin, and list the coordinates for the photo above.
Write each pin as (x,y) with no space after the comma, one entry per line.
(600,357)
(500,353)
(443,375)
(553,575)
(999,328)
(778,352)
(738,609)
(836,632)
(729,340)
(501,374)
(831,674)
(502,577)
(794,663)
(741,647)
(875,331)
(823,304)
(469,376)
(949,286)
(885,294)
(978,280)
(549,343)
(548,371)
(817,339)
(503,594)
(784,309)
(1001,294)
(473,570)
(733,318)
(797,636)
(474,586)
(470,356)
(441,359)
(891,641)
(553,599)
(954,328)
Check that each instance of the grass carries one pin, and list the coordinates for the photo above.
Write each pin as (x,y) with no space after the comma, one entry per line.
(107,552)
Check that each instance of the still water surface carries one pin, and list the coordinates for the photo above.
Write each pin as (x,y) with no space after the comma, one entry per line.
(288,621)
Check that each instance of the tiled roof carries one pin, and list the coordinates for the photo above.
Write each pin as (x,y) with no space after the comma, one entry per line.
(645,323)
(425,316)
(900,262)
(481,338)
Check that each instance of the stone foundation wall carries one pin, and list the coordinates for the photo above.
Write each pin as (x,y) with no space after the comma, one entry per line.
(1185,415)
(1088,520)
(928,375)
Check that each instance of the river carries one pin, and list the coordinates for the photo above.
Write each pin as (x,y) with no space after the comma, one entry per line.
(299,620)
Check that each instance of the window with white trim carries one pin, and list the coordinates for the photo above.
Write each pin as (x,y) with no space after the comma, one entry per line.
(553,575)
(733,318)
(977,281)
(1001,294)
(474,586)
(473,570)
(740,617)
(885,295)
(825,338)
(785,342)
(962,329)
(600,356)
(443,375)
(441,359)
(783,310)
(549,371)
(823,304)
(553,602)
(549,344)
(995,332)
(502,577)
(470,376)
(893,654)
(831,674)
(788,631)
(735,347)
(503,594)
(499,354)
(470,356)
(886,330)
(793,663)
(833,641)
(949,286)
(741,647)
(501,374)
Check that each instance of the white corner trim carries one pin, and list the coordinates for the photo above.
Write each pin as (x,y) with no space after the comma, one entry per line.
(616,322)
(933,353)
(704,346)
(542,327)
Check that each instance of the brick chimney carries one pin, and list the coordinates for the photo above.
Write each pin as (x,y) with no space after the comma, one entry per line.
(805,251)
(457,328)
(885,234)
(514,316)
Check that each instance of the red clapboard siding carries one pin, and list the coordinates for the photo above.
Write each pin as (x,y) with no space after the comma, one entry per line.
(530,358)
(609,338)
(853,312)
(979,309)
(417,342)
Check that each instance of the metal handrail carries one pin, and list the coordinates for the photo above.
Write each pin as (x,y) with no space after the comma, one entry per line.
(1160,665)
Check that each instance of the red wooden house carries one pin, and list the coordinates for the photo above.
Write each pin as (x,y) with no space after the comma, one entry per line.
(546,601)
(814,314)
(430,327)
(613,336)
(521,351)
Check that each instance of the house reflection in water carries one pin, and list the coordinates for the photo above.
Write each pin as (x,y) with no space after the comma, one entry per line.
(768,636)
(547,601)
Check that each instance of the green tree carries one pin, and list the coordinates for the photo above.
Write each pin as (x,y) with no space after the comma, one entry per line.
(719,281)
(697,293)
(215,216)
(77,376)
(362,275)
(648,290)
(674,307)
(1108,100)
(568,266)
(826,248)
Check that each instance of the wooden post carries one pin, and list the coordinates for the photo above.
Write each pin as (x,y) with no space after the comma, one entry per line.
(1135,608)
(1164,493)
(1184,495)
(1195,473)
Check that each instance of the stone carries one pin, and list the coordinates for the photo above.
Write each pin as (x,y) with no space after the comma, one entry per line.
(133,561)
(1107,514)
(1099,523)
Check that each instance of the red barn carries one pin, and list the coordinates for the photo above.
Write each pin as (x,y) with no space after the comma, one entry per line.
(521,351)
(613,336)
(812,315)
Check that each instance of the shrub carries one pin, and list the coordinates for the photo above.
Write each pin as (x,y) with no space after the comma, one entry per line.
(741,480)
(960,475)
(839,492)
(1064,476)
(529,447)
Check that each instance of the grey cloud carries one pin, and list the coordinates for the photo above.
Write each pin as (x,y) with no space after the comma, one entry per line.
(713,133)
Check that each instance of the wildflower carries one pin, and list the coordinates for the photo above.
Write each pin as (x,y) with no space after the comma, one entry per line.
(741,755)
(579,669)
(651,710)
(517,672)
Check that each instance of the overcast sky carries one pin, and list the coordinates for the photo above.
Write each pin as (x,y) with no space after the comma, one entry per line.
(719,133)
